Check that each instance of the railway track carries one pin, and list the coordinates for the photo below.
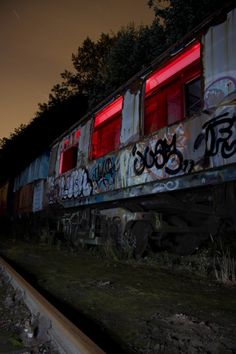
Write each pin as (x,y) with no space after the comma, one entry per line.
(67,338)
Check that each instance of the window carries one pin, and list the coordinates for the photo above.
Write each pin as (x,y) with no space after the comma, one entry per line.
(69,153)
(106,133)
(173,100)
(154,112)
(193,96)
(173,91)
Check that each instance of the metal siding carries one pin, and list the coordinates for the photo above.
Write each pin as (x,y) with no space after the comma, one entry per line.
(219,60)
(130,117)
(84,144)
(52,160)
(38,196)
(58,158)
(213,177)
(3,198)
(38,169)
(25,199)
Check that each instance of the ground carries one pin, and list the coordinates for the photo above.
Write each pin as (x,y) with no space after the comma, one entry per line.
(16,324)
(131,306)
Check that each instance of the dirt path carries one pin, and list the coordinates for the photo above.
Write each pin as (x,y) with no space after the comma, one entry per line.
(141,308)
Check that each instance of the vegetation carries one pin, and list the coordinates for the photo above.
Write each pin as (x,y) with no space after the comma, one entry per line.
(99,69)
(224,265)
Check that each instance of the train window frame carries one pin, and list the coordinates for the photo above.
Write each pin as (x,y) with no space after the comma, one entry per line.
(108,119)
(186,73)
(188,107)
(69,153)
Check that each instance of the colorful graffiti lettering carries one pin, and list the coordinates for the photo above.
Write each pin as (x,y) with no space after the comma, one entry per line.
(103,174)
(164,155)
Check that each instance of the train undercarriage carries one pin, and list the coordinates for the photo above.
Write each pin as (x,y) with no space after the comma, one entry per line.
(179,222)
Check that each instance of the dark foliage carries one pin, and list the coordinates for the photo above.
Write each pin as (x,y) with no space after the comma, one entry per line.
(101,67)
(179,17)
(28,142)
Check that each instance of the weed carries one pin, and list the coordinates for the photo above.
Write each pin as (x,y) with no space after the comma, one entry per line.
(128,245)
(16,341)
(224,266)
(109,249)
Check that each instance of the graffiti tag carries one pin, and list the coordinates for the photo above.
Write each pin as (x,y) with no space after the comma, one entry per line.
(164,155)
(76,184)
(103,174)
(218,90)
(218,136)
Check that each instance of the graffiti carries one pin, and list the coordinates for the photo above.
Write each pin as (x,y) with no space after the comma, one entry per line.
(164,155)
(103,174)
(166,186)
(53,190)
(76,184)
(218,136)
(218,90)
(188,166)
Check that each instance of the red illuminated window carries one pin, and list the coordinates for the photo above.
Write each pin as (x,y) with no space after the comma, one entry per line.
(174,102)
(68,159)
(167,91)
(69,153)
(154,112)
(106,133)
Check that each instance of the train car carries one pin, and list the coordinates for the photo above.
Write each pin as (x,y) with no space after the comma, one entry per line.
(155,163)
(4,199)
(29,189)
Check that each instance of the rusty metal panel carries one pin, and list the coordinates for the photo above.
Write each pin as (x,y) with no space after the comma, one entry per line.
(58,156)
(130,116)
(219,61)
(84,144)
(25,201)
(53,160)
(38,195)
(3,198)
(16,202)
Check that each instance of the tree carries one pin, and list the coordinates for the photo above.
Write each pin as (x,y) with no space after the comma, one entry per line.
(101,67)
(89,64)
(179,17)
(29,141)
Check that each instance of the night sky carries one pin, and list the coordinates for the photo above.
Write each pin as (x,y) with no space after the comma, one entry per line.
(37,38)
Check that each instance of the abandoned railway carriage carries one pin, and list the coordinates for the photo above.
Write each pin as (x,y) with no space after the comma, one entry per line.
(156,161)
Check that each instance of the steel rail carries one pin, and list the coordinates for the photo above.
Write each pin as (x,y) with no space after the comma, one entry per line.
(68,338)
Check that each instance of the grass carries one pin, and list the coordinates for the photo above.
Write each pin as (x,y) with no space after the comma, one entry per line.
(224,266)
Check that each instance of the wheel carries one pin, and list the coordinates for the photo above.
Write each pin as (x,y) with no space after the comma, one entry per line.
(140,231)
